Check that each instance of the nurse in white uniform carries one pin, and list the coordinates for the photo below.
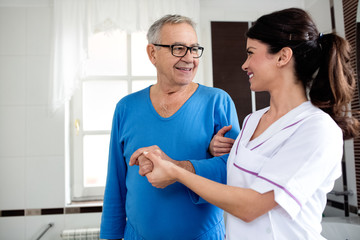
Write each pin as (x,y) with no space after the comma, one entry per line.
(288,155)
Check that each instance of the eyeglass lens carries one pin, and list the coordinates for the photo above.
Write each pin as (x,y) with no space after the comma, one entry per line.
(180,51)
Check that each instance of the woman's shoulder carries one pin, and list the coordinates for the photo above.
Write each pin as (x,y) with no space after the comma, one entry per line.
(321,124)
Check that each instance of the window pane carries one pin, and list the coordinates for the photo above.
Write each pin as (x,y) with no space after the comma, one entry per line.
(99,101)
(140,63)
(107,54)
(141,84)
(96,148)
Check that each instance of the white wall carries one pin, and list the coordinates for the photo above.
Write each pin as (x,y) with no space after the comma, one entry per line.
(32,170)
(32,165)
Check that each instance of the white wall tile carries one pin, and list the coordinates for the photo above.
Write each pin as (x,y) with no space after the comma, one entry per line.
(45,182)
(83,220)
(12,173)
(13,131)
(35,225)
(38,30)
(37,88)
(12,79)
(12,228)
(13,31)
(45,132)
(25,3)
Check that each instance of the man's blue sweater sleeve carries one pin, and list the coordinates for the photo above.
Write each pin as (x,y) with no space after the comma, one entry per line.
(215,168)
(113,218)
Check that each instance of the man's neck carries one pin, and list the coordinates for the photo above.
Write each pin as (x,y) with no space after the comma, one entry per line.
(168,101)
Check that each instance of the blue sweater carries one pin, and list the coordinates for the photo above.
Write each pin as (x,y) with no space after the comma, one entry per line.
(174,212)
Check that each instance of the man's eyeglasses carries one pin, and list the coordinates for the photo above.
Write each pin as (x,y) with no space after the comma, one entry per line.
(179,50)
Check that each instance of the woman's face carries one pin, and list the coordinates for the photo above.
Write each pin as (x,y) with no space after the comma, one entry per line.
(260,66)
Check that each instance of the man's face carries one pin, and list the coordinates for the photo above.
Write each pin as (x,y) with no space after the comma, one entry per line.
(176,70)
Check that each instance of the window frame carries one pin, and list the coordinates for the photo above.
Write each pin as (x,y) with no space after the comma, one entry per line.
(78,192)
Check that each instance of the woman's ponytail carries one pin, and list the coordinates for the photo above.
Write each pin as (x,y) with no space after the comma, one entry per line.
(333,87)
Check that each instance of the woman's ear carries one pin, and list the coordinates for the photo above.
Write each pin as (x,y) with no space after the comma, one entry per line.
(151,51)
(285,56)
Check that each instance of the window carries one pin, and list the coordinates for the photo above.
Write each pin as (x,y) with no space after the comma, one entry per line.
(117,65)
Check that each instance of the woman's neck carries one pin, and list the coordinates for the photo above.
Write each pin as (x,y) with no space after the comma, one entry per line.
(285,99)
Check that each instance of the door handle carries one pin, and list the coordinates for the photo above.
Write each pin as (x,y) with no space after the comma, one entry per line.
(77,126)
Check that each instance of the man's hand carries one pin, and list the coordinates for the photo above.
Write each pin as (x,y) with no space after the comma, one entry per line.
(162,174)
(221,145)
(145,165)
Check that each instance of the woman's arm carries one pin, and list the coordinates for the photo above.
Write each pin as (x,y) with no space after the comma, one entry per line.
(243,203)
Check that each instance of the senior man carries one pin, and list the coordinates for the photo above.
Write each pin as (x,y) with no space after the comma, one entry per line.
(180,117)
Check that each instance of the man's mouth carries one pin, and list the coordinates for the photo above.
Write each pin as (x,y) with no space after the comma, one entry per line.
(183,68)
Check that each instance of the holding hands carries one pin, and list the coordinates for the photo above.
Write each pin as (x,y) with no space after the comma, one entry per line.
(163,173)
(149,159)
(161,170)
(145,164)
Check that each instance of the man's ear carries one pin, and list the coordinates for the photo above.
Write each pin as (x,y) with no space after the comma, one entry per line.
(285,56)
(151,51)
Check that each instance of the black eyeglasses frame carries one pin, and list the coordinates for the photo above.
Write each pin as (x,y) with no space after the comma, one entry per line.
(187,49)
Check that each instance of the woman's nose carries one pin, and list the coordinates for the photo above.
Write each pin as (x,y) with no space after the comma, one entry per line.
(244,66)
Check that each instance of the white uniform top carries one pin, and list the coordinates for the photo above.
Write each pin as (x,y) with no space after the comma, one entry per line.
(299,158)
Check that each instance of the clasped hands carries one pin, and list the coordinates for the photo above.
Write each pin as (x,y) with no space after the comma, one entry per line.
(155,165)
(159,167)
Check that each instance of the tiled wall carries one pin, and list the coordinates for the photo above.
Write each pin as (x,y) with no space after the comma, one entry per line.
(32,174)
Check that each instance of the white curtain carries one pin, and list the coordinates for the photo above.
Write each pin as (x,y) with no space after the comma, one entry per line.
(76,20)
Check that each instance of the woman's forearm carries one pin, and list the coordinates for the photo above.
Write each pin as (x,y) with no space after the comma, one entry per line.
(245,204)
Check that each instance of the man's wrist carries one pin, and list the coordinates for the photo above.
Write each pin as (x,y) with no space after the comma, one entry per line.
(187,165)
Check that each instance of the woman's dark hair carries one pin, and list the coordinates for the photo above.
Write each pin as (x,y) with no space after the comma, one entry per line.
(322,62)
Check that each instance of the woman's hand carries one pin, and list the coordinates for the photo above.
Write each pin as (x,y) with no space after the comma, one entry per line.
(163,173)
(146,164)
(221,145)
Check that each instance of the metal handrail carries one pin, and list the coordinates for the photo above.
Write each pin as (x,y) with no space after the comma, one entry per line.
(342,193)
(50,225)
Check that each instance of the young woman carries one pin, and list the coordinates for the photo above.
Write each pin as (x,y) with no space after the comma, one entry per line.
(288,155)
